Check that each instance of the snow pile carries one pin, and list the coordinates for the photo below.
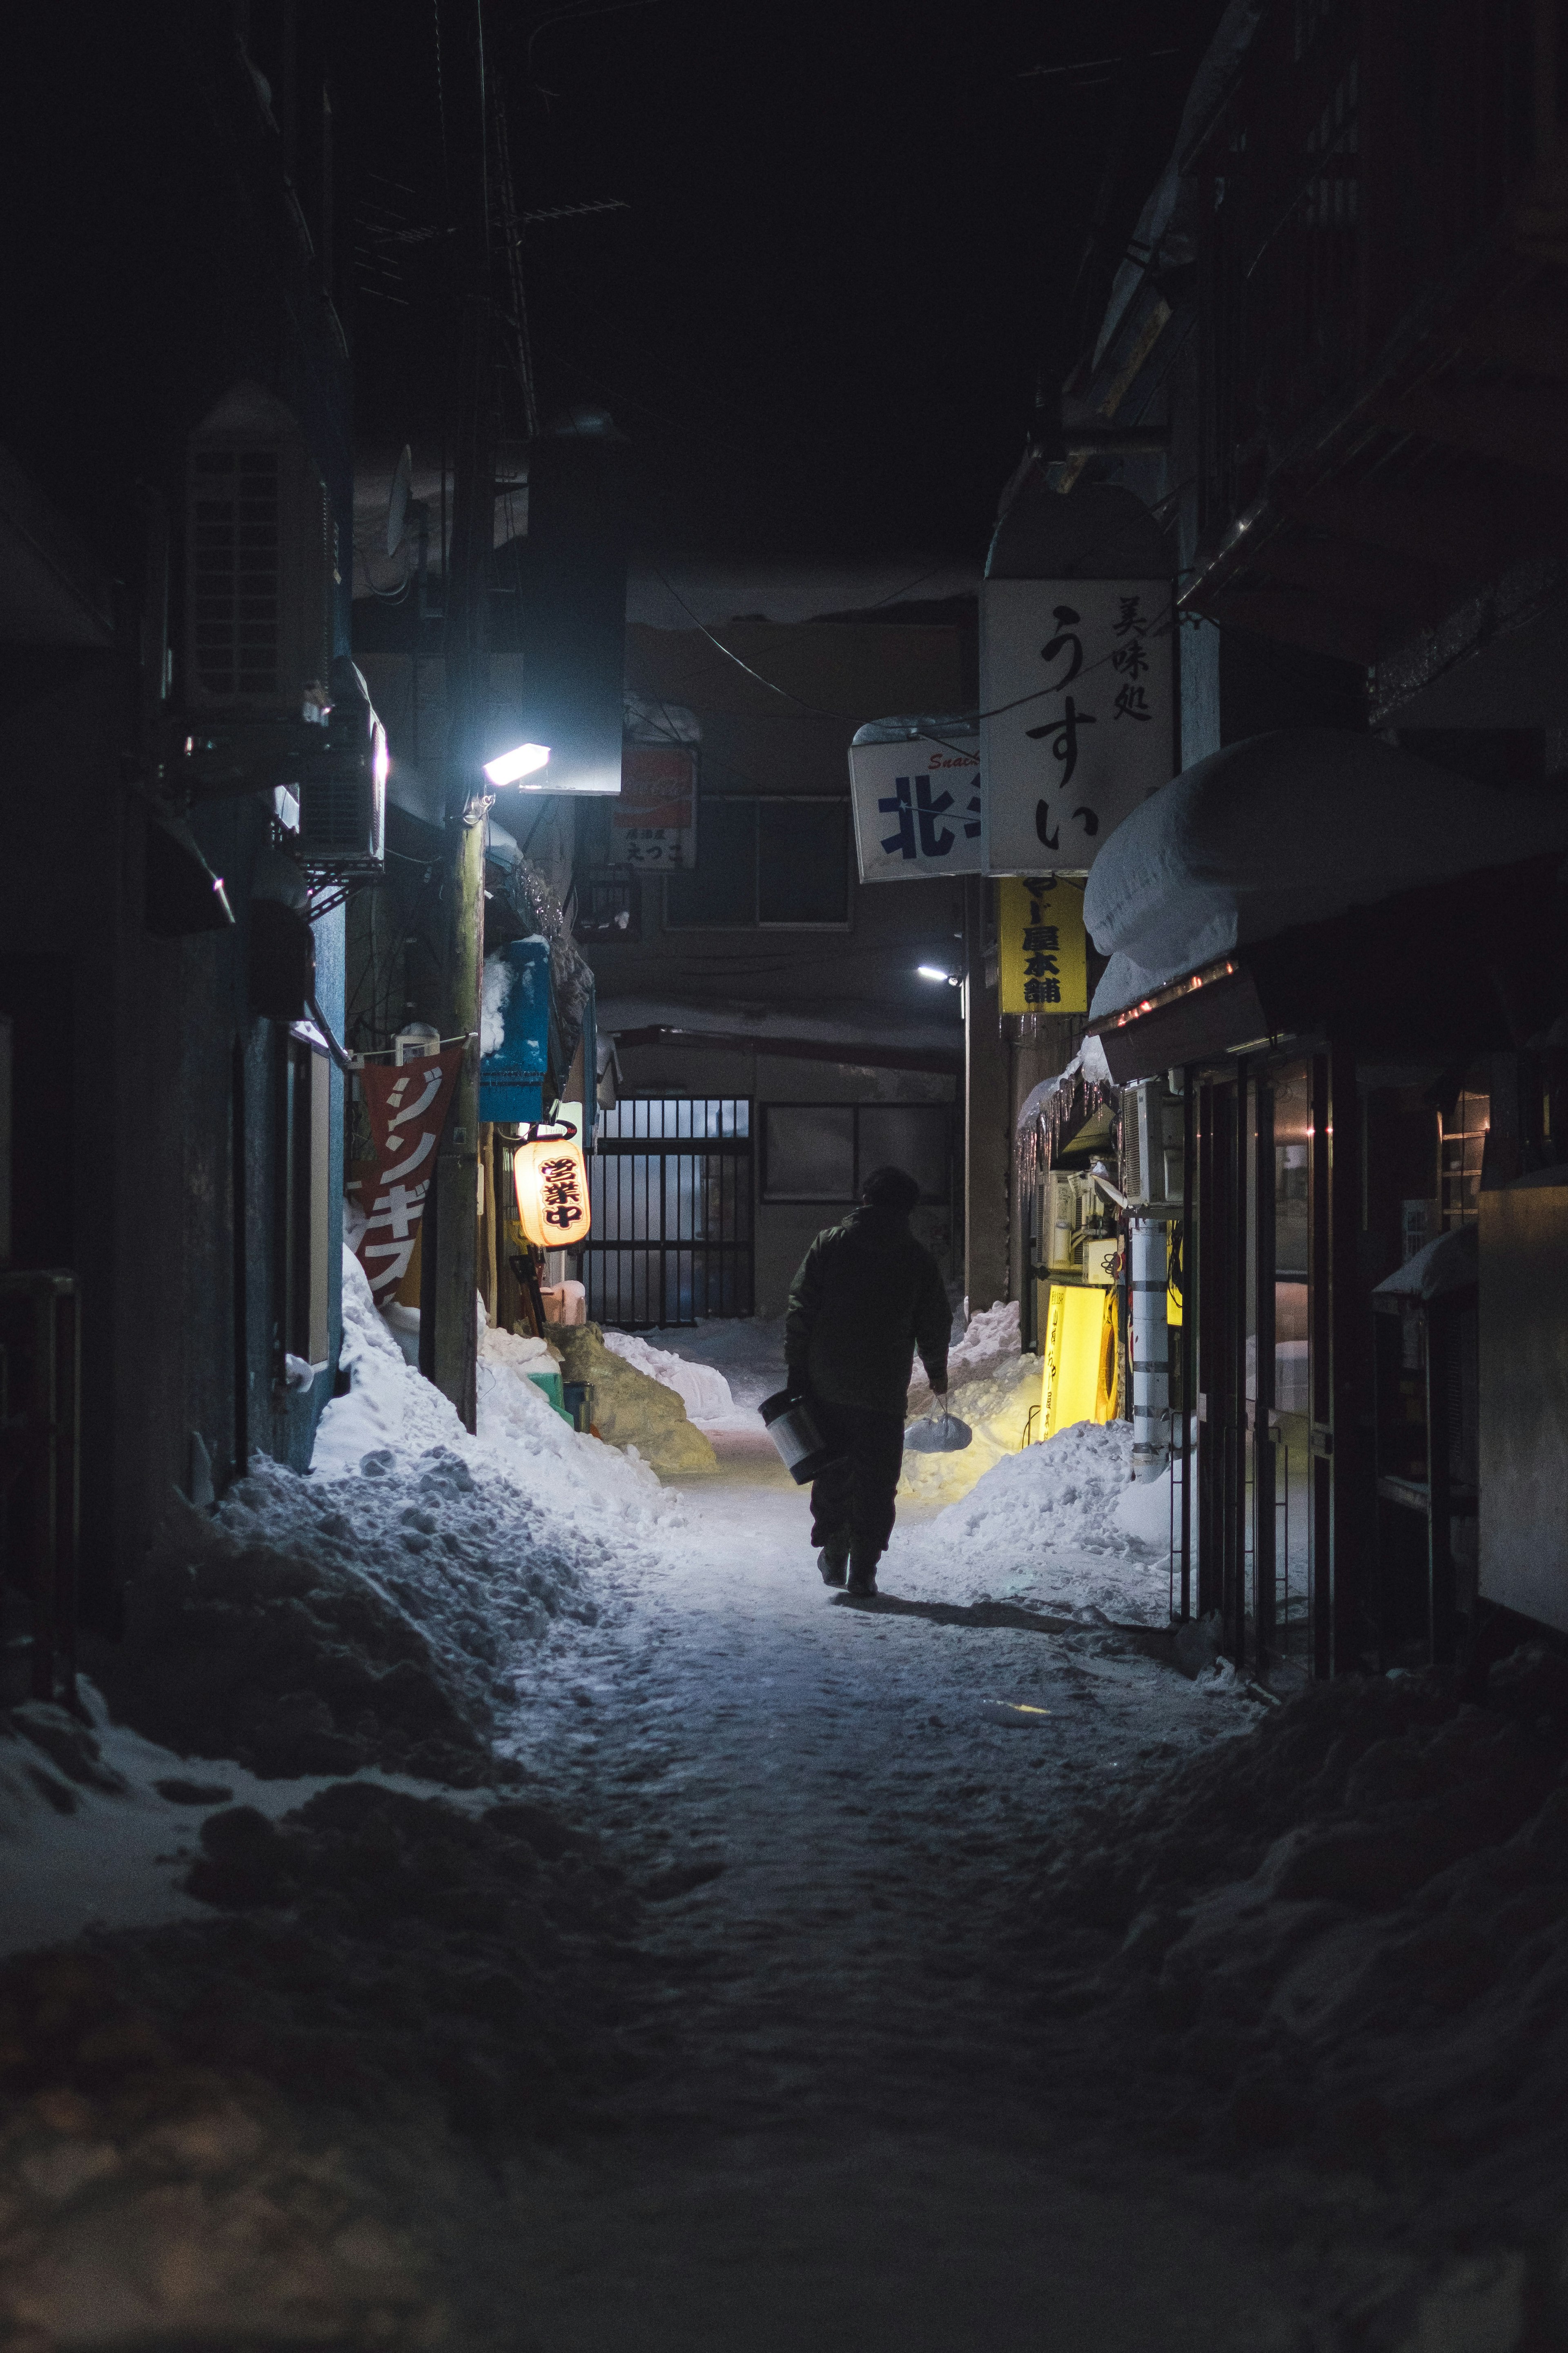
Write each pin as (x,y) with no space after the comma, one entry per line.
(1144,1511)
(1046,1526)
(391,1410)
(367,1614)
(747,1351)
(996,1406)
(704,1392)
(307,1629)
(989,1346)
(282,2127)
(1346,1935)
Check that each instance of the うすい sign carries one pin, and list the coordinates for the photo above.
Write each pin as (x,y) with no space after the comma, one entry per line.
(916,800)
(1075,677)
(1043,965)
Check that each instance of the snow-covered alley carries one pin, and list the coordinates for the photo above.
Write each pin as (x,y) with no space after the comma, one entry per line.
(833,1813)
(532,1911)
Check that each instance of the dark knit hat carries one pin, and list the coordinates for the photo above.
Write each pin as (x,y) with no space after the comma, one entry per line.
(890,1188)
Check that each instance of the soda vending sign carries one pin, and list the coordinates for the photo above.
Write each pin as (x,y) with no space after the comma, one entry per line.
(1077,682)
(654,823)
(916,800)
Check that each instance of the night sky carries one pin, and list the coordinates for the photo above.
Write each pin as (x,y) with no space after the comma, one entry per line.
(850,250)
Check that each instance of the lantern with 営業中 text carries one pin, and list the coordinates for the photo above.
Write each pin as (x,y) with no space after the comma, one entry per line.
(552,1182)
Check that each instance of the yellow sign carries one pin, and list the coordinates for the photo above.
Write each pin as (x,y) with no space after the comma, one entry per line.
(1044,968)
(1078,1381)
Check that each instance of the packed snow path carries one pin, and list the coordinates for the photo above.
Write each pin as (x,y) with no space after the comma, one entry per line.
(847,2136)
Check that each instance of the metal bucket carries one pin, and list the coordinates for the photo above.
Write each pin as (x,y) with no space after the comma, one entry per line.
(801,1446)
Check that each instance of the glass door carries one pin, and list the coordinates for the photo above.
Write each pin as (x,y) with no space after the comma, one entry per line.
(1292,1412)
(1261,1476)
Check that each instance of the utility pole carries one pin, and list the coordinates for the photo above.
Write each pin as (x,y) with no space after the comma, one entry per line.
(450,1354)
(987,1114)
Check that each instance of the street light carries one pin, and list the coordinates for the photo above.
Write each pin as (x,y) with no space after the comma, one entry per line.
(935,972)
(522,760)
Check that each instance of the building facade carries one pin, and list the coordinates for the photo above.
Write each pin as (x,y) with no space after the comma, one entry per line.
(175,503)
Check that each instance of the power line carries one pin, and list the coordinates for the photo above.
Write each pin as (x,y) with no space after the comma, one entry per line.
(1159,626)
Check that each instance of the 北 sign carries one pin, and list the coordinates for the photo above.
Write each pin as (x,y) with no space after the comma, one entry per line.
(1078,678)
(1043,965)
(917,801)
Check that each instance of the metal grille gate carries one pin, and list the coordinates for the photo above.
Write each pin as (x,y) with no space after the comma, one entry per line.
(670,1184)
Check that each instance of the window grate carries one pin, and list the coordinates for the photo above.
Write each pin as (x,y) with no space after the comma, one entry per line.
(670,1183)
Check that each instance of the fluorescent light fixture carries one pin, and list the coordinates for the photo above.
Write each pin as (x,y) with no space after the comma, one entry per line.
(522,760)
(935,972)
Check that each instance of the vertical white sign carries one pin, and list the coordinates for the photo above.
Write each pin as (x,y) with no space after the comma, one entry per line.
(1078,675)
(917,807)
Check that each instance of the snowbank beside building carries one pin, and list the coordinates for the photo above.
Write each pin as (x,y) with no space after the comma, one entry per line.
(1044,1526)
(366,1615)
(1344,1939)
(988,1346)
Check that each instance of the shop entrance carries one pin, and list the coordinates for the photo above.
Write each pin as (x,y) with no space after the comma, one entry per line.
(1264,1444)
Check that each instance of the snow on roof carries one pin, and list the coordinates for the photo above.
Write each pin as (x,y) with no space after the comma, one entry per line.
(1290,828)
(1088,1063)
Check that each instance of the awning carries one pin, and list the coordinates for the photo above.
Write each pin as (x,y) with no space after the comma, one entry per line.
(1234,904)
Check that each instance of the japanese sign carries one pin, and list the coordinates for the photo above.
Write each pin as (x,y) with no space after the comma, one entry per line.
(917,807)
(408,1109)
(1078,676)
(1043,965)
(552,1185)
(654,823)
(514,1031)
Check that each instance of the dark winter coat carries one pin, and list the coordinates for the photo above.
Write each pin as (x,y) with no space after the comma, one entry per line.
(866,1296)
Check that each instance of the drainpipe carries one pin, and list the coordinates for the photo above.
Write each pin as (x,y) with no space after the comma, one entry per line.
(1149,1348)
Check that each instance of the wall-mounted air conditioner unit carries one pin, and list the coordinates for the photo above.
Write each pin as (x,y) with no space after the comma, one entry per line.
(1154,1128)
(342,784)
(260,563)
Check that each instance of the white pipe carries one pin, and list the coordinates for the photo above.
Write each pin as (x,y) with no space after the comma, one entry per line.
(1149,1345)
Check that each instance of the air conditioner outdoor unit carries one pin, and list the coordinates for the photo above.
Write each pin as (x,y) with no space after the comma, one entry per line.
(1154,1126)
(260,563)
(342,784)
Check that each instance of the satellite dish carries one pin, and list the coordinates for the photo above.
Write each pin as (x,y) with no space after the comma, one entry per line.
(398,503)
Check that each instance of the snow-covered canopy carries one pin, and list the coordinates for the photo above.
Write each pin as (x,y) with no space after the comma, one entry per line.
(1088,1063)
(1291,828)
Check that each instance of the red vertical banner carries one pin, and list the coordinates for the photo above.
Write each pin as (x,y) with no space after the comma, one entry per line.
(408,1109)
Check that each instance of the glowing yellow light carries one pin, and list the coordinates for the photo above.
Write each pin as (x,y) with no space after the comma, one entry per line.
(552,1185)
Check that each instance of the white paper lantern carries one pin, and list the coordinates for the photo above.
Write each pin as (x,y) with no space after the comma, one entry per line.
(552,1182)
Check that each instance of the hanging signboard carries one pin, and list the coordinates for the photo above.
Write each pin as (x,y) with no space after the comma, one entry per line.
(1078,678)
(654,824)
(550,1180)
(917,794)
(1043,965)
(514,1031)
(406,1108)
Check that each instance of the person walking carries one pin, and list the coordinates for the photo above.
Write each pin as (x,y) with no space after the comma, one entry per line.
(866,1296)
